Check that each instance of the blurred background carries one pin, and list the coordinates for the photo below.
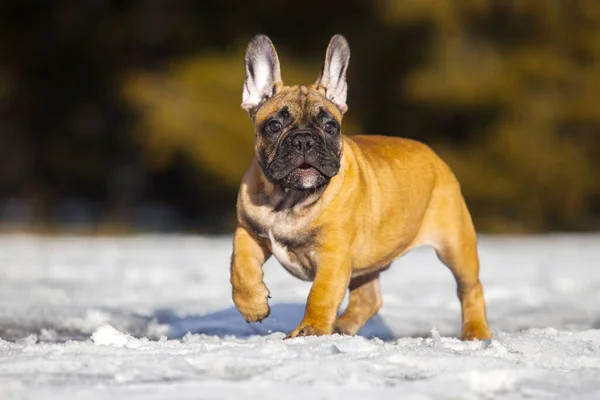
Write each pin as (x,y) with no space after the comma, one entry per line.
(124,116)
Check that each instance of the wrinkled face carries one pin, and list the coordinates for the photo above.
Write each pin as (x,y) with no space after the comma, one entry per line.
(298,142)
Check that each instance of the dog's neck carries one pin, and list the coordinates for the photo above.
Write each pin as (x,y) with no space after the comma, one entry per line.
(299,199)
(290,200)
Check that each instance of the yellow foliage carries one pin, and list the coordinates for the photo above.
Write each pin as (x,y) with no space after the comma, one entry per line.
(535,165)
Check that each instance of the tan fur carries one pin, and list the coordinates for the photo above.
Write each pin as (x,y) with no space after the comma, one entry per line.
(390,195)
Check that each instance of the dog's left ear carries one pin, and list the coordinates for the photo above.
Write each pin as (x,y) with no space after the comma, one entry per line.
(332,80)
(263,72)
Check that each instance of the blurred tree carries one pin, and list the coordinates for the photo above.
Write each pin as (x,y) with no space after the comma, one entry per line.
(522,80)
(125,109)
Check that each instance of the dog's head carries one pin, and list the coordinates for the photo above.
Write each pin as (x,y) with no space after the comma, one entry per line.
(298,141)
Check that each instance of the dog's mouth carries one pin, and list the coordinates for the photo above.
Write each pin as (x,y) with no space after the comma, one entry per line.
(306,173)
(304,177)
(302,172)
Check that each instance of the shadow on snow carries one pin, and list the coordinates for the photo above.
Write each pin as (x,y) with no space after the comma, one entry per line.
(284,318)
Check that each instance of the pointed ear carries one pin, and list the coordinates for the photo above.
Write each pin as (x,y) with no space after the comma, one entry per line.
(332,80)
(262,73)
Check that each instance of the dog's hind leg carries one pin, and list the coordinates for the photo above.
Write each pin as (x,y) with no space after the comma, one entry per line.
(364,302)
(456,246)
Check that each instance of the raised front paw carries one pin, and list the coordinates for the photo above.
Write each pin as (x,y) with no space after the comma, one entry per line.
(308,330)
(253,304)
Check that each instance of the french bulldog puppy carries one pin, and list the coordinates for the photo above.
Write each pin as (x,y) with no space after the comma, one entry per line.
(337,210)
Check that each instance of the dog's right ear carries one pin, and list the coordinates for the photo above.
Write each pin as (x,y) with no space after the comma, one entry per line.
(263,73)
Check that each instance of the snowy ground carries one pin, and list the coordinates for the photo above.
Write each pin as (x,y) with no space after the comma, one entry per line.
(109,319)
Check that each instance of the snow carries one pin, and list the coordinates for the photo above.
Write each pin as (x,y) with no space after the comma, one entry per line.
(151,317)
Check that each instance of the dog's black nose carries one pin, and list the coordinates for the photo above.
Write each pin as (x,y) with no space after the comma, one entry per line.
(303,142)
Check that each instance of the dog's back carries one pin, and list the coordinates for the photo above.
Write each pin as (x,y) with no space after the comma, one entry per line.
(382,168)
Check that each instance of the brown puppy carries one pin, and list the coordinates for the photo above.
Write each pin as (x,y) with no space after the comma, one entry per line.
(338,210)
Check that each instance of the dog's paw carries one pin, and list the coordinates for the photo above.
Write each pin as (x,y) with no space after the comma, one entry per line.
(253,305)
(307,330)
(344,328)
(475,331)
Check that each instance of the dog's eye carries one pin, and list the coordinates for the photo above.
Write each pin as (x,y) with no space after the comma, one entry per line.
(274,126)
(330,127)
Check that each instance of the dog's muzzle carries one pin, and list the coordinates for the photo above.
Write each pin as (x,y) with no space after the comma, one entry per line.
(303,161)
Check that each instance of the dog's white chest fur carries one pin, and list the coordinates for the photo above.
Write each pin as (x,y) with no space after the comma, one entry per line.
(281,254)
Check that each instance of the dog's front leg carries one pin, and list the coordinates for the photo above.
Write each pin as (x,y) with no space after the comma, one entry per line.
(250,294)
(326,294)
